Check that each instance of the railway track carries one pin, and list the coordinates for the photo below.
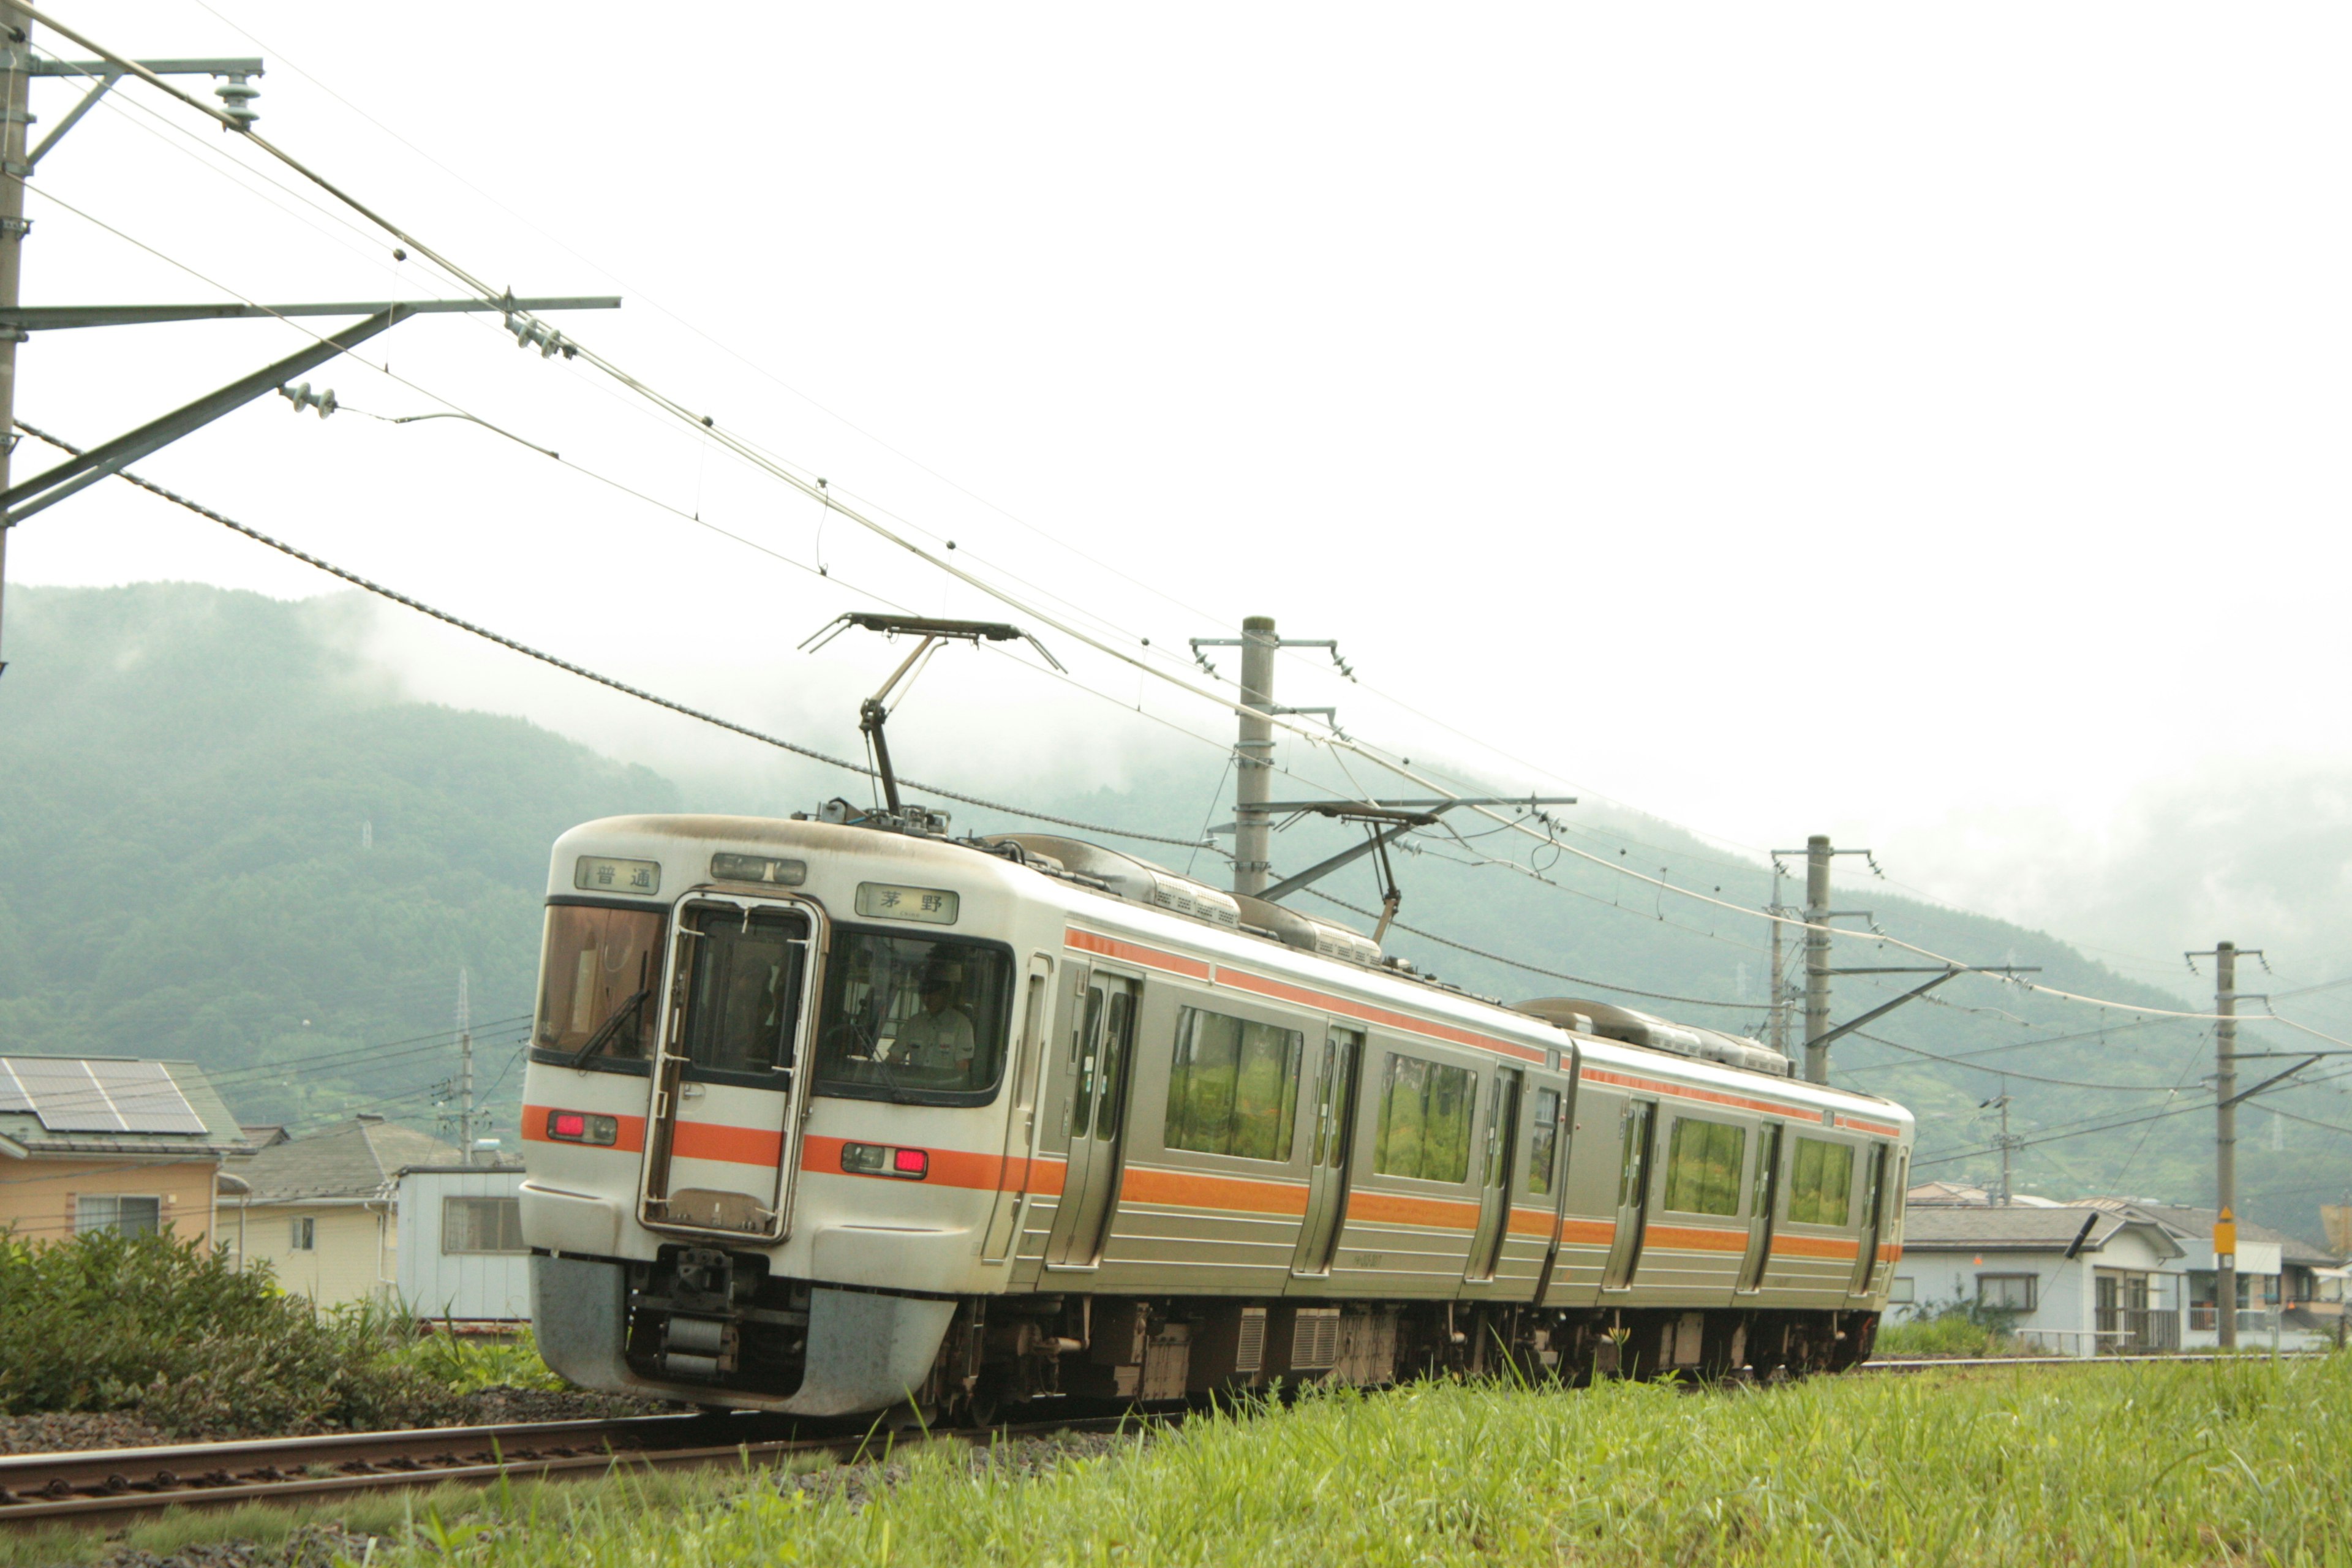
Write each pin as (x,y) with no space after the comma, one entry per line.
(103,1484)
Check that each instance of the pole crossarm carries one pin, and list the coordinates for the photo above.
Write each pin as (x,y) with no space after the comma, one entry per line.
(248,65)
(53,318)
(45,489)
(1826,1036)
(2244,1095)
(1407,814)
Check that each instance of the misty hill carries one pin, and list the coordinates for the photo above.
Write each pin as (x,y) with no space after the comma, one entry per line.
(225,834)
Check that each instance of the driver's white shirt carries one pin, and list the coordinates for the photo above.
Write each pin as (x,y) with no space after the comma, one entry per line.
(940,1039)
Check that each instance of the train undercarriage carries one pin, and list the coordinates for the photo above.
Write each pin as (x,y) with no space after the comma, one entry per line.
(706,1320)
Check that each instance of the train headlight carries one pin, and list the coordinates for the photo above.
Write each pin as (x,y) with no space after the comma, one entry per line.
(581,1127)
(881,1160)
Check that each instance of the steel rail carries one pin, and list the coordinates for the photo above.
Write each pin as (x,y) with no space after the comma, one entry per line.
(2158,1358)
(105,1484)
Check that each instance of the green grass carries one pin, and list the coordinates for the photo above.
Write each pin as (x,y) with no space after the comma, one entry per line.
(470,1363)
(2240,1462)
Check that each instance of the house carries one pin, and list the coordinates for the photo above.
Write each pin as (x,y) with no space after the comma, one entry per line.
(461,1254)
(110,1143)
(2076,1280)
(2281,1282)
(321,1210)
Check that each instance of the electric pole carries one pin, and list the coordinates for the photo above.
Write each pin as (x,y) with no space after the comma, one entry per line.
(1817,957)
(1777,1031)
(465,1070)
(1253,758)
(2225,1142)
(1254,751)
(16,100)
(2009,1145)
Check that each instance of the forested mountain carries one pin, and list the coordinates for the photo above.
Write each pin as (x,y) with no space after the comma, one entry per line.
(226,837)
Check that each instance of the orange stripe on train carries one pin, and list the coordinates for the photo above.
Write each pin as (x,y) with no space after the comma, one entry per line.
(1194,1189)
(1134,953)
(1815,1246)
(630,1140)
(1696,1239)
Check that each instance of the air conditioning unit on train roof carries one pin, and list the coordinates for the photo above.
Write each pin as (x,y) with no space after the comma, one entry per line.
(1137,881)
(1624,1025)
(1308,935)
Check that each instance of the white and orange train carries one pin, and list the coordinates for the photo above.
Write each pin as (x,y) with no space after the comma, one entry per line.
(831,1116)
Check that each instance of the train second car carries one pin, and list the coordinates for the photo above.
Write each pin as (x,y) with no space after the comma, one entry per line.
(828,1119)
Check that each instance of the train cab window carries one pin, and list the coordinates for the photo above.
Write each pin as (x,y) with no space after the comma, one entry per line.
(742,1011)
(1424,1128)
(1820,1182)
(1233,1086)
(601,969)
(1703,1162)
(915,1019)
(1543,1139)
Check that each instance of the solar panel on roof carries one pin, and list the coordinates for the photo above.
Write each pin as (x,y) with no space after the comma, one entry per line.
(146,1097)
(67,1098)
(12,1093)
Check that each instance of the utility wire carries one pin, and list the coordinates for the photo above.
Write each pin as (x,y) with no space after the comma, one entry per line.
(585,674)
(781,471)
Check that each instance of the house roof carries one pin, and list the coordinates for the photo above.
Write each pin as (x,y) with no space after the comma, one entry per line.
(1937,1227)
(355,1159)
(96,1105)
(2196,1225)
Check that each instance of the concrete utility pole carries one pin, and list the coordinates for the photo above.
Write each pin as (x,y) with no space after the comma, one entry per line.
(1817,957)
(1777,1031)
(1253,758)
(16,98)
(2225,1142)
(465,1070)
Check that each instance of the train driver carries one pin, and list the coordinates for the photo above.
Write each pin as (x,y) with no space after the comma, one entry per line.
(939,1036)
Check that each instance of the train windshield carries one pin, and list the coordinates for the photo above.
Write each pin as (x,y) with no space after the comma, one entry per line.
(596,1001)
(912,1018)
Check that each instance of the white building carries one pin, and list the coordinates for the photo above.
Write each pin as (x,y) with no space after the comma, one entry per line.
(462,1259)
(2077,1281)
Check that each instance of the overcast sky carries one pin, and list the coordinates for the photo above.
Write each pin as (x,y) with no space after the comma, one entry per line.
(1921,426)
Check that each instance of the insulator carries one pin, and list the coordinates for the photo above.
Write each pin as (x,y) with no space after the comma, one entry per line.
(236,96)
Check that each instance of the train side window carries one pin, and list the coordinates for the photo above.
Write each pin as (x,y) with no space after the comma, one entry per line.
(1233,1086)
(1542,1140)
(915,1019)
(1703,1162)
(1820,1182)
(601,969)
(1424,1129)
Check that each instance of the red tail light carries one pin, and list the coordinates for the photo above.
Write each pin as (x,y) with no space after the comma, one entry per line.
(581,1127)
(912,1163)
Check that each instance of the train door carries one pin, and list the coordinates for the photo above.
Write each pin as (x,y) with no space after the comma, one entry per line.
(1104,1045)
(1021,1116)
(1874,1218)
(1326,1165)
(727,1085)
(1763,1192)
(1549,1131)
(1633,1194)
(1502,1157)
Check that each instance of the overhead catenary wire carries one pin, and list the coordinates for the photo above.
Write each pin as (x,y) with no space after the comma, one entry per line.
(582,672)
(751,452)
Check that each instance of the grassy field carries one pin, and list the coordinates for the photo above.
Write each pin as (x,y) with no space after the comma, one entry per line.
(2248,1462)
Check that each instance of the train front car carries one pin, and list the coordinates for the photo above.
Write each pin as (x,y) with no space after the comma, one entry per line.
(762,1119)
(829,1118)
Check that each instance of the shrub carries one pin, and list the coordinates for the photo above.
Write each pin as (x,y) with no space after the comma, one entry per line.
(167,1329)
(1960,1327)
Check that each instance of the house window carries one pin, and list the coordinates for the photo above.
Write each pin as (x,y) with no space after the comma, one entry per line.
(1424,1130)
(1820,1182)
(111,1211)
(2006,1292)
(306,1235)
(1903,1292)
(1703,1162)
(1233,1086)
(481,1224)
